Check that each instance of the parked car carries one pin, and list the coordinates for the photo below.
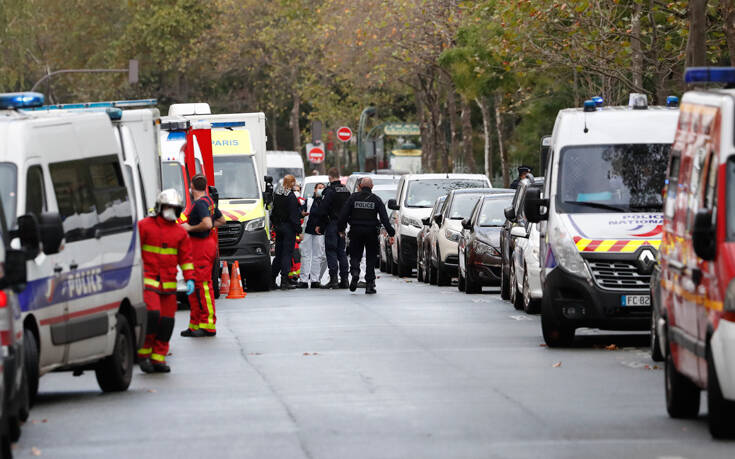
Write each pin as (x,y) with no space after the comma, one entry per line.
(424,242)
(478,250)
(388,179)
(507,243)
(458,206)
(695,320)
(416,196)
(601,216)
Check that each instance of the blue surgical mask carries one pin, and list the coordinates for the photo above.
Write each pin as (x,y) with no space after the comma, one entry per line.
(318,193)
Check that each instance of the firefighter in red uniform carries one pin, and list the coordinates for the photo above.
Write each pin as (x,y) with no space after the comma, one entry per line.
(202,217)
(164,245)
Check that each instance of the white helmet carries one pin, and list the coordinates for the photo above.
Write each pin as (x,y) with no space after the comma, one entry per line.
(171,198)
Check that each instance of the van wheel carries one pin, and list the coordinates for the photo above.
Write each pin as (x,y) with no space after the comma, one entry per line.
(682,395)
(515,297)
(555,334)
(404,270)
(656,354)
(115,372)
(394,267)
(461,282)
(504,285)
(530,306)
(30,354)
(216,272)
(721,412)
(443,278)
(257,281)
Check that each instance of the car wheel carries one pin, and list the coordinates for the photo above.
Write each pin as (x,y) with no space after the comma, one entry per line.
(382,264)
(115,372)
(394,267)
(555,333)
(515,297)
(721,412)
(433,275)
(461,283)
(443,278)
(471,283)
(404,270)
(504,284)
(656,354)
(30,354)
(530,306)
(682,395)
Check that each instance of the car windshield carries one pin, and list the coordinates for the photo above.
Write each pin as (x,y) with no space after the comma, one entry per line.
(612,178)
(385,195)
(173,177)
(492,213)
(279,172)
(8,193)
(462,205)
(423,193)
(235,177)
(388,180)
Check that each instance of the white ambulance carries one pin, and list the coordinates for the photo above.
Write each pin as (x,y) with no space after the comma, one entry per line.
(83,307)
(601,216)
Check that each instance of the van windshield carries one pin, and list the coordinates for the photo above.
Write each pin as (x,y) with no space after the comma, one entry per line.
(173,177)
(612,178)
(8,193)
(235,177)
(423,193)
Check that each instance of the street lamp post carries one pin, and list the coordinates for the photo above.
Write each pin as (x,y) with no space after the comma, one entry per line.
(132,72)
(367,113)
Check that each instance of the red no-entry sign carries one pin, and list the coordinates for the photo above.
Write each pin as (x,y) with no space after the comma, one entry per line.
(344,134)
(315,153)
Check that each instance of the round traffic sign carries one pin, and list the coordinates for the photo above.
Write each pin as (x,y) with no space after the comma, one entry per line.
(316,155)
(344,134)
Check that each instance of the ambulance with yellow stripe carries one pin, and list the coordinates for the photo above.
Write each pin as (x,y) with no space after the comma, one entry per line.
(600,215)
(238,153)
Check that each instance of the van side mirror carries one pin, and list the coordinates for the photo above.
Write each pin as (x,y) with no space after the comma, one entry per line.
(52,233)
(393,205)
(15,270)
(703,236)
(426,221)
(510,213)
(29,234)
(535,208)
(467,224)
(438,219)
(518,231)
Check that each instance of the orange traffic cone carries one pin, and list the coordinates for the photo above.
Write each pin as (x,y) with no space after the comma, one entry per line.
(236,291)
(224,285)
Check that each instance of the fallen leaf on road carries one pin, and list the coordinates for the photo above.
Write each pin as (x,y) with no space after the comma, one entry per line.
(35,451)
(153,391)
(255,353)
(316,353)
(306,353)
(542,345)
(44,421)
(408,281)
(612,347)
(556,365)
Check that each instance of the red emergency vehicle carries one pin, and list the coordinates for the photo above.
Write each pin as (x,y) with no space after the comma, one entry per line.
(695,322)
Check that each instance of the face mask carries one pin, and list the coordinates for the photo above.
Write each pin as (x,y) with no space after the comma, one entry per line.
(318,193)
(169,214)
(297,193)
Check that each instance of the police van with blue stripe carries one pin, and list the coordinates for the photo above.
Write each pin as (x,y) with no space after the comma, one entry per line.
(83,307)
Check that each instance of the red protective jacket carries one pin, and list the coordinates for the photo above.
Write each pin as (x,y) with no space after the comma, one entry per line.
(164,245)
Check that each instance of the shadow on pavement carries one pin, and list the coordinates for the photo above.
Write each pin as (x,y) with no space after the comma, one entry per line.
(52,398)
(620,340)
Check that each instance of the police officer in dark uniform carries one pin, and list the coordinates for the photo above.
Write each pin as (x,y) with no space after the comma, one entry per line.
(334,198)
(362,211)
(523,172)
(286,218)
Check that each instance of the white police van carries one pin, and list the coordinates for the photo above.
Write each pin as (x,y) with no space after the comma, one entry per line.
(83,307)
(601,216)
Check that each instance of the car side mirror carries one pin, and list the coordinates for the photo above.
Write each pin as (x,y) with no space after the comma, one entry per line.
(467,224)
(29,234)
(438,219)
(52,233)
(703,236)
(15,270)
(518,231)
(510,213)
(535,208)
(393,205)
(426,221)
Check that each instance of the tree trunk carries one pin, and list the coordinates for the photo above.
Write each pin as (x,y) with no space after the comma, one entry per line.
(727,8)
(468,159)
(274,131)
(294,122)
(454,128)
(501,148)
(635,45)
(697,43)
(484,105)
(427,152)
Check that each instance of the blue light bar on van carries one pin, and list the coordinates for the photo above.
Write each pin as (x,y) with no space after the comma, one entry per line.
(599,101)
(11,100)
(114,113)
(710,75)
(672,101)
(106,104)
(590,106)
(229,124)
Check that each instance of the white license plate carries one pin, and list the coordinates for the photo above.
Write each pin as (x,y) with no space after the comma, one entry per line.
(635,300)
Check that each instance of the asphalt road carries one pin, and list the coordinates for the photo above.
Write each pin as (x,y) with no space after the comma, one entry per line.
(414,372)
